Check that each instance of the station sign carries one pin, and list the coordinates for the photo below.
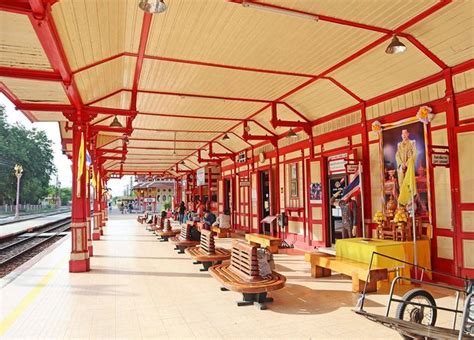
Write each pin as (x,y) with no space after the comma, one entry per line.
(244,182)
(337,163)
(149,200)
(440,159)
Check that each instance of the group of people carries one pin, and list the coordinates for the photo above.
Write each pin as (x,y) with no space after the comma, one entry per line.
(125,207)
(203,214)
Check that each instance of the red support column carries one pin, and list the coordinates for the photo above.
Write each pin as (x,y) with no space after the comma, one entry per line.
(105,211)
(87,208)
(79,260)
(97,203)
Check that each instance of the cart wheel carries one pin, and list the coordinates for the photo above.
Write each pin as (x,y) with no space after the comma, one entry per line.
(414,313)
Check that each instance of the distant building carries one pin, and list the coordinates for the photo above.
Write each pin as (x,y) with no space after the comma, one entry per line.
(153,194)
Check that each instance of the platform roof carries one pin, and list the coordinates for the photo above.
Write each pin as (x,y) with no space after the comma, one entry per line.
(205,67)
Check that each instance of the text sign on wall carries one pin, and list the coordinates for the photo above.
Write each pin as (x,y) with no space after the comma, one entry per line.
(337,163)
(440,159)
(200,176)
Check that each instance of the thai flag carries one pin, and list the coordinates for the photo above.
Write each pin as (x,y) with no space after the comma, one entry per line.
(88,158)
(352,189)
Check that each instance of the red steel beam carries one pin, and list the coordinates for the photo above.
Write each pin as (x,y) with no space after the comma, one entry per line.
(159,148)
(14,99)
(43,75)
(43,24)
(146,25)
(108,95)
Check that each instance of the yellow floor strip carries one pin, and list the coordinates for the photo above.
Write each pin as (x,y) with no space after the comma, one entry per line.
(10,319)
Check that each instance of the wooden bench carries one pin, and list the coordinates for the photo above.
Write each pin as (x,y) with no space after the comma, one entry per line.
(151,225)
(183,240)
(242,275)
(166,232)
(207,253)
(322,265)
(142,218)
(221,232)
(265,241)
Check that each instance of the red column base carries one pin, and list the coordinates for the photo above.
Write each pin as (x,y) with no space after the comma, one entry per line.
(79,266)
(91,251)
(96,236)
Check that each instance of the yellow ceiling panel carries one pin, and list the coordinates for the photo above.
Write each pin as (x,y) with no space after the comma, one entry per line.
(376,72)
(319,99)
(382,13)
(197,79)
(191,106)
(36,91)
(227,33)
(49,116)
(449,33)
(171,135)
(165,144)
(171,123)
(19,44)
(92,30)
(112,76)
(120,100)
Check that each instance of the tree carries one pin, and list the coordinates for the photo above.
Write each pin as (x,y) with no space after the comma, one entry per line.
(30,148)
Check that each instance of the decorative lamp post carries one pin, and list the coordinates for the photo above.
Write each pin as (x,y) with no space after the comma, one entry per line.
(18,172)
(58,198)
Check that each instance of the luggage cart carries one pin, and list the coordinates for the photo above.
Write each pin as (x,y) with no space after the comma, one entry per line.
(416,312)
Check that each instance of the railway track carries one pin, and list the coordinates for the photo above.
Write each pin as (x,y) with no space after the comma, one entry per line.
(16,250)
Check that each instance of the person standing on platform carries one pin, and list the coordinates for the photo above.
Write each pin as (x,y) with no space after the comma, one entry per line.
(182,210)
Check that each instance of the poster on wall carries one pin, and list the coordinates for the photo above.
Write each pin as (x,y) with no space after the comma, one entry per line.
(200,177)
(400,144)
(315,193)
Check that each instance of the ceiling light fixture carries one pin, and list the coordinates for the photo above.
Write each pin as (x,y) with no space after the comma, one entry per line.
(152,6)
(125,139)
(291,134)
(226,136)
(277,10)
(182,162)
(395,46)
(115,122)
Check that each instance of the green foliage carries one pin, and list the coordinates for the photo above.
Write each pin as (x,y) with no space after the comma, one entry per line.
(167,205)
(65,194)
(30,148)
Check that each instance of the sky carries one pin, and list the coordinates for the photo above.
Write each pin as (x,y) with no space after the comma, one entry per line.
(63,164)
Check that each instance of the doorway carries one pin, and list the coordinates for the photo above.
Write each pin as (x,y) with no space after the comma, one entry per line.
(336,185)
(264,207)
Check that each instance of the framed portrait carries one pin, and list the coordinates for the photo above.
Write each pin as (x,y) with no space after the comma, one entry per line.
(398,144)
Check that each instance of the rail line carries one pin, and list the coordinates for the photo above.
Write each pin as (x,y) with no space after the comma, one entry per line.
(15,247)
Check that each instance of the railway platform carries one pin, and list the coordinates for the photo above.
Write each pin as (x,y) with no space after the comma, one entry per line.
(15,228)
(139,287)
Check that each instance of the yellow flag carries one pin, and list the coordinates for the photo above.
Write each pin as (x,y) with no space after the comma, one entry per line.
(93,180)
(409,184)
(80,165)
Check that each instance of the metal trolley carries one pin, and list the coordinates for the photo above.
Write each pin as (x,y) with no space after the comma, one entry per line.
(416,312)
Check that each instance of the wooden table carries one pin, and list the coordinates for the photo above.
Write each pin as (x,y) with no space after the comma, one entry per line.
(265,241)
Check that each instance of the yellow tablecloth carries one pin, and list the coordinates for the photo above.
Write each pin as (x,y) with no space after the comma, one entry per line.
(358,250)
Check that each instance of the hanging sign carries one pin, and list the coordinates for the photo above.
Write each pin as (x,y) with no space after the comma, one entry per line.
(337,163)
(242,158)
(201,177)
(149,200)
(244,182)
(440,159)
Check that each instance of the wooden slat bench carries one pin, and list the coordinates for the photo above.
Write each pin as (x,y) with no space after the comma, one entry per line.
(207,253)
(265,241)
(242,275)
(142,218)
(151,225)
(166,232)
(183,240)
(322,264)
(221,232)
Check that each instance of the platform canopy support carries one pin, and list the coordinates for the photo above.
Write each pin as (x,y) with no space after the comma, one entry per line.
(79,260)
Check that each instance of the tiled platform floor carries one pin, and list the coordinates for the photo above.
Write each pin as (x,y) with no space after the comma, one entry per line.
(141,288)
